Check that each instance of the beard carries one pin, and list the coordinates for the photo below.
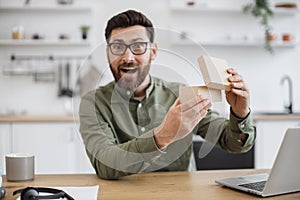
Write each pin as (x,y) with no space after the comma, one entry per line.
(130,76)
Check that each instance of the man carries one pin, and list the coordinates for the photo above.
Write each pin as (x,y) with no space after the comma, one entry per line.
(137,124)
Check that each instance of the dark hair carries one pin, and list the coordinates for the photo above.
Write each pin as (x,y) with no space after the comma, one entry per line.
(127,19)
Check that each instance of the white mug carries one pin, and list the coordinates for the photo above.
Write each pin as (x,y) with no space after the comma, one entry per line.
(0,177)
(19,167)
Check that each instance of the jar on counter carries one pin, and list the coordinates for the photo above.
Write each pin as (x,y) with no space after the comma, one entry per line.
(18,33)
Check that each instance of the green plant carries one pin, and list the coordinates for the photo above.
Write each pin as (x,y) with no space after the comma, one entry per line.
(84,30)
(261,10)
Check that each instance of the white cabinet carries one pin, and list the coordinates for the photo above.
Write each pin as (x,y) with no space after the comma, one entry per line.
(5,143)
(57,146)
(269,137)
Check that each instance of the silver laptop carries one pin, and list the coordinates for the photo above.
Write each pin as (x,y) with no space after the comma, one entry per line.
(284,176)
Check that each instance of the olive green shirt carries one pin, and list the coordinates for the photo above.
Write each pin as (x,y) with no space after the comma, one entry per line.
(117,131)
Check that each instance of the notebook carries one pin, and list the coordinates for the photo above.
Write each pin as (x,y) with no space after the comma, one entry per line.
(284,176)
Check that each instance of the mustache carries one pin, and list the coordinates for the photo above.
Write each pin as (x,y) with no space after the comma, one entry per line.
(128,64)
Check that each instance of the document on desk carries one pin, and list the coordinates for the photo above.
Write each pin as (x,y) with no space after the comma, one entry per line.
(78,193)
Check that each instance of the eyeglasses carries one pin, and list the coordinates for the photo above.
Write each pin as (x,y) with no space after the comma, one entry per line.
(119,49)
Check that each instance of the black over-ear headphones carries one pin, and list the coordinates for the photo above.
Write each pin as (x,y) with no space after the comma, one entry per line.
(32,193)
(2,192)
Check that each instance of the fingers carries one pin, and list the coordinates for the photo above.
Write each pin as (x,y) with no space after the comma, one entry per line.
(190,103)
(239,86)
(231,71)
(235,76)
(181,120)
(236,81)
(198,111)
(239,92)
(177,102)
(192,116)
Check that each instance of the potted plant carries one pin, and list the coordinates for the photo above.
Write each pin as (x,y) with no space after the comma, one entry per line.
(84,31)
(261,10)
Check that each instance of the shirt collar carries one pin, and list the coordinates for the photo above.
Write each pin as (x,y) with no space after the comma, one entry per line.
(150,88)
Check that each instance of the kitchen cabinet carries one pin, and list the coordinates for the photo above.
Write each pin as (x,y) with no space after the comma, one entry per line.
(199,24)
(57,146)
(270,134)
(4,142)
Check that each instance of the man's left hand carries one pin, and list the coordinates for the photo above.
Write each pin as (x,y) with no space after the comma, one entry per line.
(238,95)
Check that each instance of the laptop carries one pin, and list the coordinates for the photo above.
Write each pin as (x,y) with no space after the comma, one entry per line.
(284,176)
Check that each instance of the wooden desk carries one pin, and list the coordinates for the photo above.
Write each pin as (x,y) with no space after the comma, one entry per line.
(165,185)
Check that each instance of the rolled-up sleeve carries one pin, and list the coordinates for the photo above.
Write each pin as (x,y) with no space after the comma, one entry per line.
(226,133)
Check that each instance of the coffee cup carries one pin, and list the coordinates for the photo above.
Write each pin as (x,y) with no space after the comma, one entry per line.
(0,177)
(19,167)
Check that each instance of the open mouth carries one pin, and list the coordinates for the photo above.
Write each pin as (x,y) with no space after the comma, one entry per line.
(128,70)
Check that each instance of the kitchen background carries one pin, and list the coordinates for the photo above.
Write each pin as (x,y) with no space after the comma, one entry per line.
(44,59)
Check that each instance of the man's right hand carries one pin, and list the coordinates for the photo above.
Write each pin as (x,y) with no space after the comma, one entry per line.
(180,120)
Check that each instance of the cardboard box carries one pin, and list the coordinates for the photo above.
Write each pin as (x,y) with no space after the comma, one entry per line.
(188,92)
(214,72)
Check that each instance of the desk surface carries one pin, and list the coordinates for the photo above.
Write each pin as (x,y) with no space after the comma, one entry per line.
(163,185)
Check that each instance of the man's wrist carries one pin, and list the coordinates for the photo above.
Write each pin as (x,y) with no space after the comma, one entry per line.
(161,142)
(240,116)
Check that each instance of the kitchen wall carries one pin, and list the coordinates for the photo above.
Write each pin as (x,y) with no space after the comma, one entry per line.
(261,70)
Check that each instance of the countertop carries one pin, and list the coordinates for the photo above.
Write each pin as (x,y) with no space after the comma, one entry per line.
(35,118)
(46,118)
(157,185)
(275,116)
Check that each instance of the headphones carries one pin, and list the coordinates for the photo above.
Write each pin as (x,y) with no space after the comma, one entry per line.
(32,193)
(2,192)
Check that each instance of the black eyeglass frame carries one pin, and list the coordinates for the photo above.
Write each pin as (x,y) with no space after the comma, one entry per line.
(128,46)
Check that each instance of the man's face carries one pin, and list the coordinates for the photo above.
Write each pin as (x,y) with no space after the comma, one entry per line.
(130,70)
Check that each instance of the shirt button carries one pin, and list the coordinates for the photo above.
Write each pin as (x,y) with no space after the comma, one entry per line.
(140,105)
(243,125)
(143,129)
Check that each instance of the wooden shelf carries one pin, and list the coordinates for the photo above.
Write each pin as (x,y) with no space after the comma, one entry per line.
(206,9)
(180,9)
(46,8)
(286,11)
(8,42)
(235,43)
(203,9)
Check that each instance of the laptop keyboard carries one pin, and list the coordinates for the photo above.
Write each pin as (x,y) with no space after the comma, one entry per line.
(258,186)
